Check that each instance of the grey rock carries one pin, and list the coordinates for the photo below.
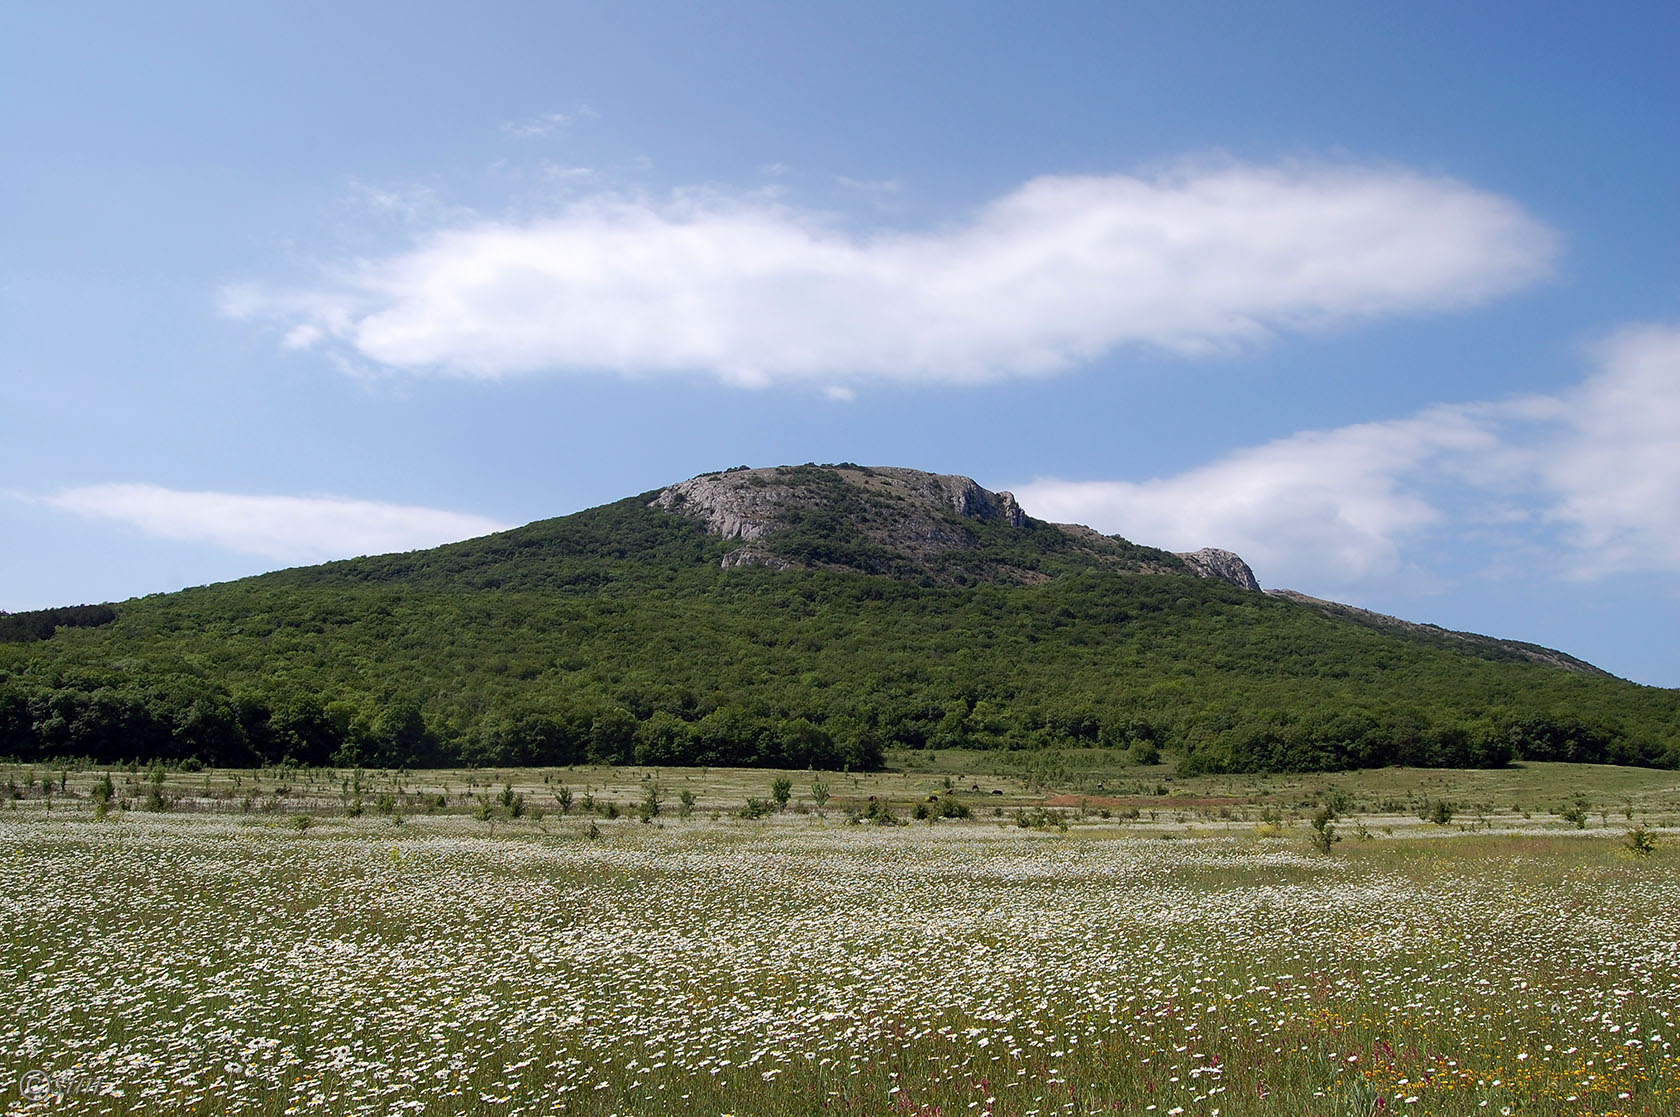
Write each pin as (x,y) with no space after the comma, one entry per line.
(1226,566)
(755,556)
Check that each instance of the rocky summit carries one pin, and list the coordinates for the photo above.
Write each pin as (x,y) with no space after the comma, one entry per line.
(888,519)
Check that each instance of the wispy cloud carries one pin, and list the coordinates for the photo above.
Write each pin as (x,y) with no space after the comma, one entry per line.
(1058,272)
(284,528)
(1588,480)
(546,124)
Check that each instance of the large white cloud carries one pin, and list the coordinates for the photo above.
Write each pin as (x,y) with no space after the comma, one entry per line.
(1615,472)
(1321,509)
(1060,271)
(1586,481)
(287,528)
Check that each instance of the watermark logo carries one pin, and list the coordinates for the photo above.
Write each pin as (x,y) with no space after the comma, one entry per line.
(39,1085)
(35,1085)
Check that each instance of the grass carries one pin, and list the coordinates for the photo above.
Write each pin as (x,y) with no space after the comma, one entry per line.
(209,958)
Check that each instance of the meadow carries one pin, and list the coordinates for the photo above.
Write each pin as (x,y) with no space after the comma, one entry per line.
(1086,940)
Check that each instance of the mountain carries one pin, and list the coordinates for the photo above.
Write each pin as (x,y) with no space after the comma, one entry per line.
(795,616)
(902,523)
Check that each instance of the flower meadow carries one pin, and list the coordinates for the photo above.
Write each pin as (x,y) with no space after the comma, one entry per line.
(200,964)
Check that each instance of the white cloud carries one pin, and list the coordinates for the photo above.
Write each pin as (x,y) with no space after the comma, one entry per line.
(1615,471)
(547,124)
(1326,509)
(1366,507)
(1060,271)
(286,528)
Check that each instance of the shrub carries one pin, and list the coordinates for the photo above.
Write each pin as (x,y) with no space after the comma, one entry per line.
(881,814)
(650,803)
(103,789)
(1641,841)
(1037,818)
(953,808)
(780,790)
(1324,834)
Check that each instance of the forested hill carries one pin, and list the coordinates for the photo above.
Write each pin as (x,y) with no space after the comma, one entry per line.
(805,616)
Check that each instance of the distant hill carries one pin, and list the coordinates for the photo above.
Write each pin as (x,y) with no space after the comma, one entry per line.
(799,616)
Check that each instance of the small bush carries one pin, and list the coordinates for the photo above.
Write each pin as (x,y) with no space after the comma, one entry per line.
(1324,835)
(953,808)
(1641,840)
(650,807)
(877,812)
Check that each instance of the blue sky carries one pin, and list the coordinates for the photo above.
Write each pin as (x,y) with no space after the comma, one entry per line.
(1384,297)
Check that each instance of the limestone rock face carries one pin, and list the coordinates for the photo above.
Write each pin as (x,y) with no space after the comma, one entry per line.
(1226,566)
(906,522)
(747,503)
(755,556)
(728,504)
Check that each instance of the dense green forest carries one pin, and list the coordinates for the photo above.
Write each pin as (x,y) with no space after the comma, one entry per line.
(614,635)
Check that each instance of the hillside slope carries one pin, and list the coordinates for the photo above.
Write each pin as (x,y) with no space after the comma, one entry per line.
(798,616)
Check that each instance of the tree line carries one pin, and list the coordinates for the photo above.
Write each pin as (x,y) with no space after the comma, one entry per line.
(615,636)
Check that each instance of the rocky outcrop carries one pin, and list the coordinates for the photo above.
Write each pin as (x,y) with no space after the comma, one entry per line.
(748,503)
(961,494)
(755,556)
(1226,566)
(729,504)
(905,521)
